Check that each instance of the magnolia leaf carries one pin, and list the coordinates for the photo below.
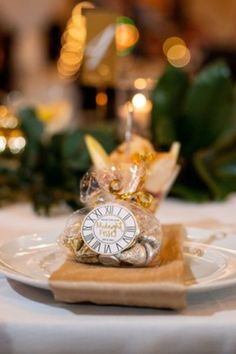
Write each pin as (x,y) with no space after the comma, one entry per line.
(167,99)
(208,108)
(217,167)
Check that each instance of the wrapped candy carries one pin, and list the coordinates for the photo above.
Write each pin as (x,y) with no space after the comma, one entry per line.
(113,234)
(114,229)
(117,226)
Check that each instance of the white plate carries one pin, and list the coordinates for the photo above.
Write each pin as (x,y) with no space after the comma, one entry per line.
(31,259)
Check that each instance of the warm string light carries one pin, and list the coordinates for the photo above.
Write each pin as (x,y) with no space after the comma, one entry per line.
(11,137)
(3,142)
(73,43)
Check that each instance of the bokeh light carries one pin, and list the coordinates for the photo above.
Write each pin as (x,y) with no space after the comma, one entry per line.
(177,52)
(11,137)
(101,99)
(139,100)
(8,122)
(3,143)
(16,142)
(172,41)
(140,83)
(73,43)
(127,35)
(3,111)
(179,61)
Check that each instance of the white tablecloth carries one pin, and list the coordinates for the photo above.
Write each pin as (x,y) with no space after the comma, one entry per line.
(32,322)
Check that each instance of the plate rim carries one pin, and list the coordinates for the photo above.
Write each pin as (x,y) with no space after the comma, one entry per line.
(44,283)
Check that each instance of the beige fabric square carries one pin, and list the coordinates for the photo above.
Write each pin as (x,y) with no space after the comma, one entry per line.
(159,286)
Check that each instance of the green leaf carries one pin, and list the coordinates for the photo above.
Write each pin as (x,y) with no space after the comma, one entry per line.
(189,185)
(217,167)
(202,116)
(74,149)
(51,161)
(30,124)
(33,130)
(208,108)
(106,136)
(167,99)
(189,193)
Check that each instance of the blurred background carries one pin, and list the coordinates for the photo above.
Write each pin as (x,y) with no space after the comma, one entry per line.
(31,38)
(76,64)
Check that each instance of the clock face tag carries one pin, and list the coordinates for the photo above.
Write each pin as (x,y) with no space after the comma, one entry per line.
(109,228)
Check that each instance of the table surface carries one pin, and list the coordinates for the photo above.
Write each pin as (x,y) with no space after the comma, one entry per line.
(32,322)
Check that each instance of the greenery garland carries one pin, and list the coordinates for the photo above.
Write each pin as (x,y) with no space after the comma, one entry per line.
(201,114)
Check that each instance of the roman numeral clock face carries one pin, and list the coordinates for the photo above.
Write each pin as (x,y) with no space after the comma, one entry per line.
(109,229)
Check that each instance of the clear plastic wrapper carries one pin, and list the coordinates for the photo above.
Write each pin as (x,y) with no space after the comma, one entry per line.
(121,193)
(115,228)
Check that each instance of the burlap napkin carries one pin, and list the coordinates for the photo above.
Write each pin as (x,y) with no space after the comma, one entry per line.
(160,286)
